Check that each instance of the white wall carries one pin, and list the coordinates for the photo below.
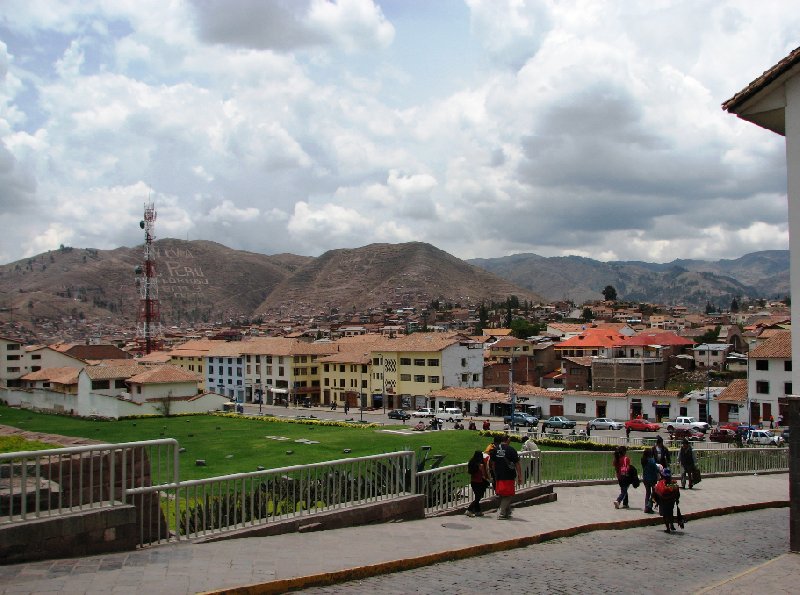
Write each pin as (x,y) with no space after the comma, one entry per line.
(452,368)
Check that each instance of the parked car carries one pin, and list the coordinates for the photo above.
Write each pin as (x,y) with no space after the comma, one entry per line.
(522,419)
(764,437)
(684,423)
(424,412)
(688,433)
(450,414)
(558,421)
(722,435)
(739,428)
(604,423)
(398,414)
(641,425)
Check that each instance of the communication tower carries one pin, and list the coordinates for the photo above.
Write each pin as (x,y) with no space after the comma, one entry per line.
(148,328)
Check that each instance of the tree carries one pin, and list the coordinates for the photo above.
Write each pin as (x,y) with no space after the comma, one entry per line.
(709,307)
(610,294)
(586,316)
(734,305)
(522,329)
(513,302)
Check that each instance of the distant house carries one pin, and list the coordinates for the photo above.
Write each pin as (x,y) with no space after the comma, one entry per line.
(769,377)
(711,355)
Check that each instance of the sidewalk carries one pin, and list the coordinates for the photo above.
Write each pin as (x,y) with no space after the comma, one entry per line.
(275,564)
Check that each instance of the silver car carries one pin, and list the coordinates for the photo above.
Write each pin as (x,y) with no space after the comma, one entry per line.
(604,423)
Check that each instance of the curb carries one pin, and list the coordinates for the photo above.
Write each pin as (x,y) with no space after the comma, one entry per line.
(361,572)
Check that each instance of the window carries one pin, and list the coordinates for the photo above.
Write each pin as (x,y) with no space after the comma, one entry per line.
(13,347)
(341,368)
(580,407)
(269,370)
(341,382)
(327,382)
(433,362)
(12,358)
(463,362)
(376,361)
(762,387)
(280,371)
(762,364)
(314,370)
(38,356)
(787,388)
(200,369)
(248,370)
(364,369)
(787,365)
(465,378)
(35,368)
(326,368)
(419,362)
(100,384)
(476,377)
(352,367)
(405,361)
(433,379)
(268,359)
(405,377)
(119,383)
(419,378)
(45,385)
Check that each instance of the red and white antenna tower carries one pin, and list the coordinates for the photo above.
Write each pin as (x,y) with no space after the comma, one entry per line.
(148,328)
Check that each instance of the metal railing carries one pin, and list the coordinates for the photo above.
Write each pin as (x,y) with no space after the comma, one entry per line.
(743,460)
(42,483)
(205,507)
(448,487)
(37,484)
(582,465)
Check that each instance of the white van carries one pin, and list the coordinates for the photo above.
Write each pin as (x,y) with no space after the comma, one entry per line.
(450,414)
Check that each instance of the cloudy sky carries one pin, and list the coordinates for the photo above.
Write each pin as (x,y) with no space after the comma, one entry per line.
(485,127)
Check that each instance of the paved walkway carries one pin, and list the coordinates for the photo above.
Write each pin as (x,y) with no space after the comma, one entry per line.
(295,560)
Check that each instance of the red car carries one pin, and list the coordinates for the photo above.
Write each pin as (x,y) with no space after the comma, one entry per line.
(688,433)
(722,435)
(641,425)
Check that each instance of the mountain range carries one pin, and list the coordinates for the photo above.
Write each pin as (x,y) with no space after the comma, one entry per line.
(206,281)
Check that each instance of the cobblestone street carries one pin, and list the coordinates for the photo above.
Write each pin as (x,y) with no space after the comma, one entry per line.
(707,552)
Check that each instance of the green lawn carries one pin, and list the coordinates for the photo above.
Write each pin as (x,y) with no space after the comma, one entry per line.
(215,439)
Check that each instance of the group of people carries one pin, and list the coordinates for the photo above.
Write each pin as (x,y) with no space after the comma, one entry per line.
(438,424)
(661,489)
(499,466)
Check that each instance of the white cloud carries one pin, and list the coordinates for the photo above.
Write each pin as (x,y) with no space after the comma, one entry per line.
(565,127)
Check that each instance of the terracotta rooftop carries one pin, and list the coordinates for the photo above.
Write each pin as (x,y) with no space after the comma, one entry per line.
(58,375)
(470,394)
(163,375)
(735,392)
(763,81)
(778,345)
(101,372)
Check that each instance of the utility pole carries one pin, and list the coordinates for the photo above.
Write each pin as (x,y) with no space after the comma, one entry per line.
(511,394)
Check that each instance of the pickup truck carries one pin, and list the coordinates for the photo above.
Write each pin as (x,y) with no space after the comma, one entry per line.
(522,419)
(764,437)
(425,412)
(685,423)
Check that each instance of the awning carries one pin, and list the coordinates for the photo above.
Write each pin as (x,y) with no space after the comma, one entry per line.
(280,391)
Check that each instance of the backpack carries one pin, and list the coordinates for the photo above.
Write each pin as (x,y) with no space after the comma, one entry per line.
(633,476)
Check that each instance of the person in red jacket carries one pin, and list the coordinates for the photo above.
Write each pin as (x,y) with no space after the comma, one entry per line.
(668,494)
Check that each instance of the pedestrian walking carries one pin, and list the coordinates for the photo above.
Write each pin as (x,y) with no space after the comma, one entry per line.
(588,431)
(507,473)
(486,425)
(650,477)
(688,463)
(346,408)
(622,466)
(478,480)
(668,495)
(627,433)
(661,453)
